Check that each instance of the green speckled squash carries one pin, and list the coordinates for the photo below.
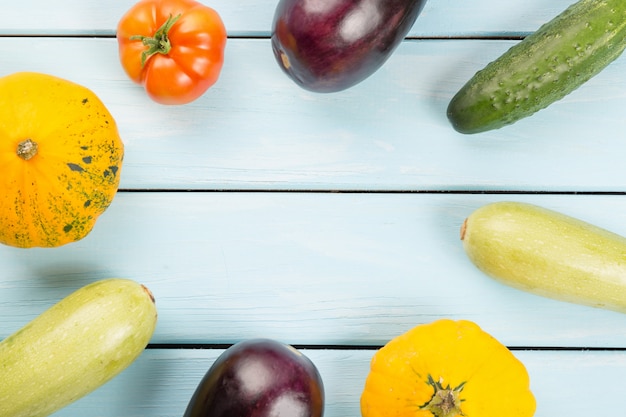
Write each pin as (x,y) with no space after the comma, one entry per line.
(61,157)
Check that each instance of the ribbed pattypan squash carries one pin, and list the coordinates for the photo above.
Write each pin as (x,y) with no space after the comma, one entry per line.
(446,369)
(61,156)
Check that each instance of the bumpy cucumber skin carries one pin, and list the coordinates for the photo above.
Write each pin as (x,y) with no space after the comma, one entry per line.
(542,68)
(548,253)
(74,347)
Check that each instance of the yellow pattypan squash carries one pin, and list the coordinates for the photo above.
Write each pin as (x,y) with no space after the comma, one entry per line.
(446,369)
(61,157)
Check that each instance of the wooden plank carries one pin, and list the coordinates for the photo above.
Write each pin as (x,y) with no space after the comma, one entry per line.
(440,18)
(161,382)
(257,130)
(316,268)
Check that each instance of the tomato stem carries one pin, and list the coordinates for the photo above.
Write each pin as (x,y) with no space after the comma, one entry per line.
(446,401)
(27,149)
(159,43)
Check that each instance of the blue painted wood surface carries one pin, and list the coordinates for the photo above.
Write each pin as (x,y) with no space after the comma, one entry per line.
(325,221)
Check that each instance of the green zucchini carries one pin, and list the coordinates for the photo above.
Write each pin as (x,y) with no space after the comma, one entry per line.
(548,253)
(542,68)
(74,347)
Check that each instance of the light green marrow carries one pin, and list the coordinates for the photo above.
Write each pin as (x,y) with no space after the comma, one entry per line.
(548,253)
(74,347)
(542,68)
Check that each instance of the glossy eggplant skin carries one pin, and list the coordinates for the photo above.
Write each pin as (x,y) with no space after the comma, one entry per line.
(327,46)
(259,378)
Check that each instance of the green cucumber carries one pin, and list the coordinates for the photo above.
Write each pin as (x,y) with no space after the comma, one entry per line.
(74,347)
(542,68)
(548,253)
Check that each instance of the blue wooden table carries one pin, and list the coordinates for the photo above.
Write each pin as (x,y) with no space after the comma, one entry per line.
(330,222)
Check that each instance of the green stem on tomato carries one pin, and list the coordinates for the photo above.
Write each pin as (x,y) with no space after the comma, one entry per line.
(159,43)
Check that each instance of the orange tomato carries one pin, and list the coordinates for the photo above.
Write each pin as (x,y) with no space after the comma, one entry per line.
(174,48)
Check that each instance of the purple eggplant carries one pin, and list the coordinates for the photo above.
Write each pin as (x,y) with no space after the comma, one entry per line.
(259,378)
(330,45)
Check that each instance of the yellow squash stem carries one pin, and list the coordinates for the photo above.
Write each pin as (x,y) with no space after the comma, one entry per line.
(159,43)
(445,402)
(26,149)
